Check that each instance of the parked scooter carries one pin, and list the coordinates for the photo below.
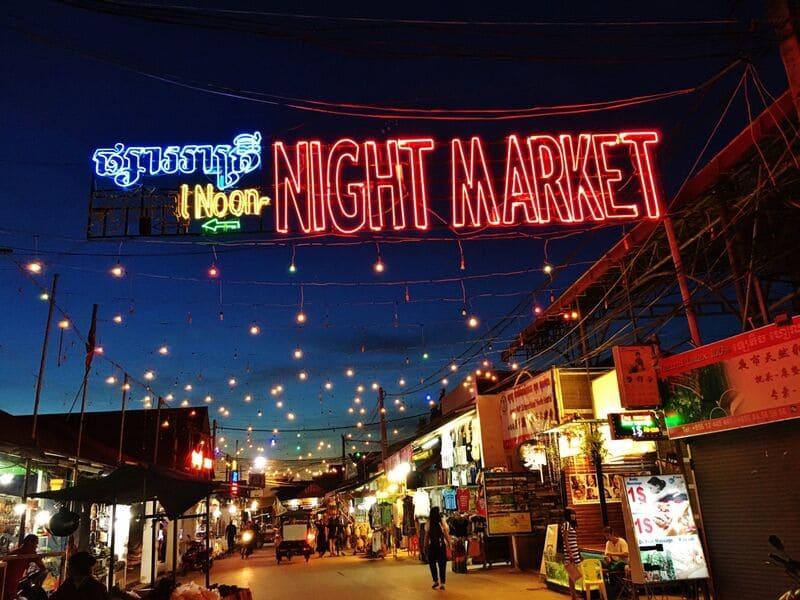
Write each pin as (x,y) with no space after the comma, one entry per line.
(196,558)
(790,566)
(30,587)
(247,543)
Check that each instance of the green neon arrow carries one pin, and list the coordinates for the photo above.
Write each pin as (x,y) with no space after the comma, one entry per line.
(216,226)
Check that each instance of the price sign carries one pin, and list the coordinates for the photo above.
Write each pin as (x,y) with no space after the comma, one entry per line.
(643,425)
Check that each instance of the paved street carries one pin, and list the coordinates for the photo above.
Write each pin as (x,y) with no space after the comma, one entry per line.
(355,577)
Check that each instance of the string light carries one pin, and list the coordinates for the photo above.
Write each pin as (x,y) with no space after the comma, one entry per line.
(397,400)
(298,353)
(34,267)
(351,410)
(111,380)
(232,381)
(117,319)
(302,375)
(254,329)
(259,413)
(375,386)
(290,416)
(279,404)
(248,398)
(169,397)
(292,266)
(118,270)
(301,317)
(362,410)
(279,387)
(445,381)
(379,267)
(402,382)
(99,350)
(163,351)
(188,387)
(425,356)
(44,296)
(213,271)
(473,322)
(359,424)
(537,309)
(328,385)
(357,400)
(514,366)
(63,324)
(359,388)
(185,402)
(454,367)
(547,268)
(208,399)
(349,372)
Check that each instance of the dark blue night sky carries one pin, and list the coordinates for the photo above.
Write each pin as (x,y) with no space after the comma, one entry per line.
(75,80)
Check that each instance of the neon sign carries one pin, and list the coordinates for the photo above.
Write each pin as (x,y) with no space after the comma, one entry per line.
(201,462)
(570,179)
(226,162)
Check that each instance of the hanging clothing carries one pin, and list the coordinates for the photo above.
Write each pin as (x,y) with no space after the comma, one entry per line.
(375,516)
(447,451)
(397,513)
(436,499)
(387,519)
(449,498)
(422,505)
(409,526)
(462,500)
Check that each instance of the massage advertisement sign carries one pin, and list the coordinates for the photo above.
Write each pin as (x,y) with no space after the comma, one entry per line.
(665,533)
(749,379)
(528,409)
(345,186)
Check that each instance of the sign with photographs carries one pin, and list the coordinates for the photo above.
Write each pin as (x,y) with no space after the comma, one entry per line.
(636,375)
(583,488)
(518,502)
(748,379)
(660,517)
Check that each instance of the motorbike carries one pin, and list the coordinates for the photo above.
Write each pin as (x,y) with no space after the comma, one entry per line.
(790,566)
(247,543)
(30,587)
(196,558)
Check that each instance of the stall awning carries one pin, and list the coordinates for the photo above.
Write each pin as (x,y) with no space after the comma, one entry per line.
(128,484)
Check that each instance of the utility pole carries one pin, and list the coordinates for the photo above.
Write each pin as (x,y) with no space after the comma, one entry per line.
(382,411)
(125,387)
(37,397)
(344,456)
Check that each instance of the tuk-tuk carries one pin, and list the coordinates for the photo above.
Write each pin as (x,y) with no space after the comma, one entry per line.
(295,535)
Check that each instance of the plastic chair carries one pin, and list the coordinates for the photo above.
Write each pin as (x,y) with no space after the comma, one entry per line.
(592,571)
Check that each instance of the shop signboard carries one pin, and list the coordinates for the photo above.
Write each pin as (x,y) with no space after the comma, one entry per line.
(518,502)
(643,425)
(636,376)
(658,513)
(346,186)
(749,379)
(528,409)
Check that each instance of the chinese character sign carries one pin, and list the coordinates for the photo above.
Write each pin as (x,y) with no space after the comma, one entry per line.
(668,544)
(749,379)
(636,376)
(527,409)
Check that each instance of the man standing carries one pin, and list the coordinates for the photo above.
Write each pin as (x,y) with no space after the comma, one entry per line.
(230,533)
(17,567)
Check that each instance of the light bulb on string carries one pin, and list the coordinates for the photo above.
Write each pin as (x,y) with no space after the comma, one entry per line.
(63,324)
(349,372)
(163,350)
(117,318)
(44,296)
(292,265)
(464,311)
(300,317)
(213,271)
(378,267)
(302,375)
(547,268)
(298,353)
(118,270)
(453,367)
(537,310)
(328,385)
(254,329)
(473,322)
(34,267)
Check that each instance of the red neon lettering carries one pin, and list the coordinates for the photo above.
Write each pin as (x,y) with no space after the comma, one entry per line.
(289,186)
(388,180)
(316,186)
(609,177)
(549,178)
(473,192)
(517,193)
(581,188)
(342,150)
(642,142)
(419,193)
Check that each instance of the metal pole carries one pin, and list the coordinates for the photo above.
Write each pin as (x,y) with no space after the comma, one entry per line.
(40,379)
(688,307)
(207,566)
(122,417)
(382,411)
(112,561)
(174,523)
(85,388)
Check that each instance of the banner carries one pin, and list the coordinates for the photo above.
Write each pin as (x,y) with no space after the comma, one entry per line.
(636,376)
(660,516)
(528,409)
(749,379)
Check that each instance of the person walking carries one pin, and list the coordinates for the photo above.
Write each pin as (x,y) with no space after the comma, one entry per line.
(572,554)
(230,533)
(438,543)
(17,567)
